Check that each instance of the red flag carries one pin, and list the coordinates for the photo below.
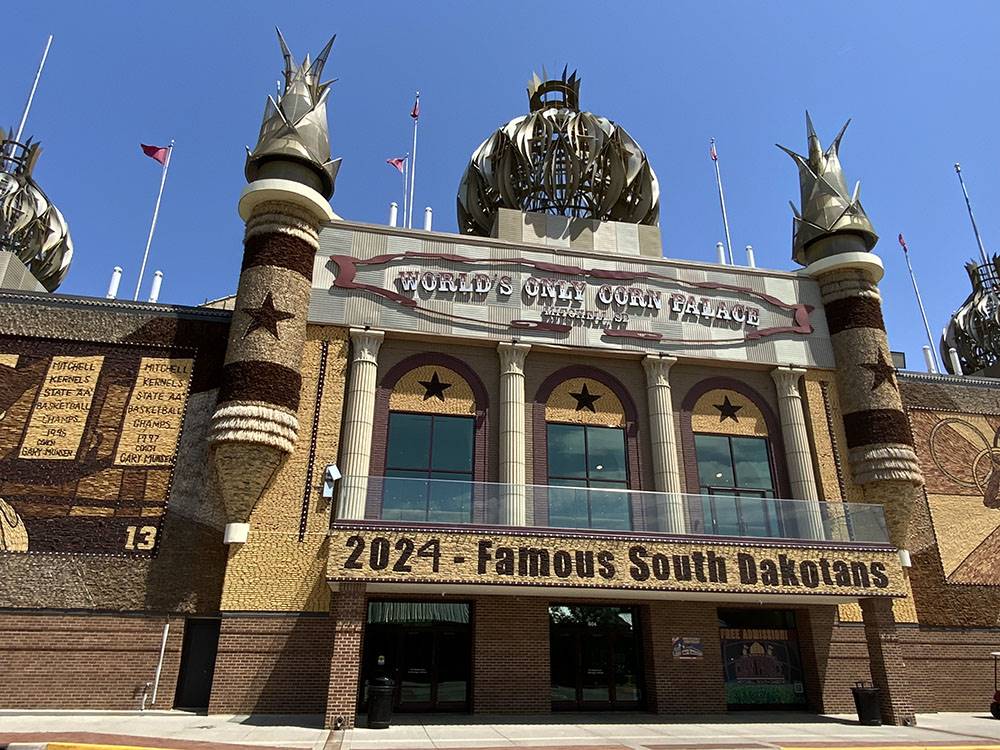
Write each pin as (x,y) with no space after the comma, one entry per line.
(415,112)
(712,152)
(902,242)
(156,152)
(397,162)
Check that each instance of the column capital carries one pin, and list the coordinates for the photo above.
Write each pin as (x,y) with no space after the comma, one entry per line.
(286,191)
(866,262)
(787,380)
(512,357)
(657,368)
(366,343)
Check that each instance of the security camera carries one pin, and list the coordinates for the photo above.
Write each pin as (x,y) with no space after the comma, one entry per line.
(330,475)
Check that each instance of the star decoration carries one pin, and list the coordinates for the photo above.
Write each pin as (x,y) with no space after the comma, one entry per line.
(727,410)
(882,372)
(585,399)
(267,316)
(434,388)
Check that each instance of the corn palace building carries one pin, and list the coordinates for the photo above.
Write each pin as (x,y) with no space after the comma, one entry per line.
(530,467)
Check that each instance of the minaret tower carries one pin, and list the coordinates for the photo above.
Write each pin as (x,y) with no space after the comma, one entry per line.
(291,180)
(833,239)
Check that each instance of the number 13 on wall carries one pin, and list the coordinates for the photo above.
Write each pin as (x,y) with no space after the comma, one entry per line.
(140,537)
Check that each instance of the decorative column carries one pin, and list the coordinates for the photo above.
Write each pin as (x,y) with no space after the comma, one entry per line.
(255,425)
(513,493)
(291,176)
(666,470)
(359,418)
(879,440)
(798,454)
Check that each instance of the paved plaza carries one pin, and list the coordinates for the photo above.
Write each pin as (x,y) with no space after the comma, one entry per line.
(740,731)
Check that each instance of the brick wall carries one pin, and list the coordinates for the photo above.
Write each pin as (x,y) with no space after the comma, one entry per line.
(678,686)
(833,659)
(85,661)
(292,664)
(511,655)
(272,664)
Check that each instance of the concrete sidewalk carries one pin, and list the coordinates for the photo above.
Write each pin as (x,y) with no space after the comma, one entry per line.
(743,730)
(739,731)
(164,729)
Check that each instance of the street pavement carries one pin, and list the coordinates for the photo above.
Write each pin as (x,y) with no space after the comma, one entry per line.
(737,731)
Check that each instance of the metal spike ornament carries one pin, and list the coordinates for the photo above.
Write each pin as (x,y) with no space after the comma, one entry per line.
(974,328)
(31,227)
(558,160)
(295,129)
(827,208)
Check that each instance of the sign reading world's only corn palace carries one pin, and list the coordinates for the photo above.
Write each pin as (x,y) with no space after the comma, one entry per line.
(449,286)
(88,438)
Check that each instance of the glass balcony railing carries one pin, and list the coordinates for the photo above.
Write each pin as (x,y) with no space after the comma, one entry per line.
(444,501)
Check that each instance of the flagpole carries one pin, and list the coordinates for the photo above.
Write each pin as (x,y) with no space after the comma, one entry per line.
(406,171)
(968,204)
(31,94)
(413,164)
(722,204)
(920,304)
(152,225)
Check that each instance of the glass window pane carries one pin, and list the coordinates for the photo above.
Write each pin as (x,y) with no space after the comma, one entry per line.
(725,516)
(715,467)
(452,446)
(753,469)
(409,441)
(567,457)
(610,509)
(606,453)
(404,496)
(568,507)
(450,501)
(753,513)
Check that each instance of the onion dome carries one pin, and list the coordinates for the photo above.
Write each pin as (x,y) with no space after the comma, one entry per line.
(827,208)
(31,227)
(974,328)
(558,160)
(294,139)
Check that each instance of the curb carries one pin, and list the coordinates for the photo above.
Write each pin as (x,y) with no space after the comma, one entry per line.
(926,746)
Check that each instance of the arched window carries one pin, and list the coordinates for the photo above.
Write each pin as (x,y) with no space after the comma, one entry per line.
(433,420)
(731,432)
(589,453)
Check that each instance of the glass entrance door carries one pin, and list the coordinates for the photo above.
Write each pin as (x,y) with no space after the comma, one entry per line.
(425,648)
(414,673)
(595,658)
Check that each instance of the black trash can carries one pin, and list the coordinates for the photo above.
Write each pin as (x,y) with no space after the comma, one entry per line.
(866,701)
(380,692)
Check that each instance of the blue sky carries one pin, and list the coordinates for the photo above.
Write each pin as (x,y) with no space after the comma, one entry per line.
(920,80)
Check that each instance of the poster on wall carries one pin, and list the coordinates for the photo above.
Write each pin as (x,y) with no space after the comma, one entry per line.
(88,439)
(687,648)
(960,456)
